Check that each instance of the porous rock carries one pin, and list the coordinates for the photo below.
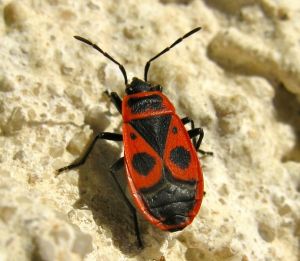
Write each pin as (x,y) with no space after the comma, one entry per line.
(238,78)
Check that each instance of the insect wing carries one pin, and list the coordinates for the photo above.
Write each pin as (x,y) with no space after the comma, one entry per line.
(143,163)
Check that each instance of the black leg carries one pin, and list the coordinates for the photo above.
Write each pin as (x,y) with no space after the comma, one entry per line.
(187,120)
(198,132)
(102,135)
(116,100)
(119,164)
(193,133)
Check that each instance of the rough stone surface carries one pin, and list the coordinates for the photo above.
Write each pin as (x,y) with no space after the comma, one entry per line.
(238,78)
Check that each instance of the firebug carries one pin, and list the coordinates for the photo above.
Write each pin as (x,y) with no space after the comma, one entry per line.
(160,156)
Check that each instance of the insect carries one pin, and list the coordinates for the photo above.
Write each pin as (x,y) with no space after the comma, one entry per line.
(160,156)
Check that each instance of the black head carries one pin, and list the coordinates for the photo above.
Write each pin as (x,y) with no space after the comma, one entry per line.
(138,85)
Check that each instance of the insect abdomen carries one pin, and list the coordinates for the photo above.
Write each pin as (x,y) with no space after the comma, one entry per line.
(171,201)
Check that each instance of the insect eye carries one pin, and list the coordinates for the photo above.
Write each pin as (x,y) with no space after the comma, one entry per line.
(156,88)
(129,90)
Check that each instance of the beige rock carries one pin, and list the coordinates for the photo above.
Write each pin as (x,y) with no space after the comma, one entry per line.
(238,78)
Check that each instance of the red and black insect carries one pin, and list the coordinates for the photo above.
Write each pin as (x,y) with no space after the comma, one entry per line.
(162,167)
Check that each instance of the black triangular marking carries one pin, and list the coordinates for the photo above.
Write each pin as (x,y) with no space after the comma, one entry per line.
(154,130)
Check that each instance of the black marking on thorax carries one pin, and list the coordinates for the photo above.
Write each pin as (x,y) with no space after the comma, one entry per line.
(142,104)
(154,130)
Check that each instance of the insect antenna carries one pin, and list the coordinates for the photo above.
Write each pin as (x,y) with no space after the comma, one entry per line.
(105,54)
(167,49)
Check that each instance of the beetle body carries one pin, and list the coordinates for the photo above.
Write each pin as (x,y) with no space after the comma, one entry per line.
(163,170)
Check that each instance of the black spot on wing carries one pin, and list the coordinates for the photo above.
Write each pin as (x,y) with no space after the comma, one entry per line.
(180,157)
(142,104)
(154,130)
(143,163)
(132,136)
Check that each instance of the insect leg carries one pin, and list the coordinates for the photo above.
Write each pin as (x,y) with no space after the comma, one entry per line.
(187,120)
(193,133)
(103,136)
(116,100)
(119,164)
